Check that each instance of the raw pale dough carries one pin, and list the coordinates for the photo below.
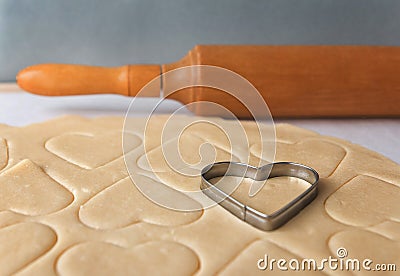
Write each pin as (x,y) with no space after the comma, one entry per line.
(68,206)
(275,193)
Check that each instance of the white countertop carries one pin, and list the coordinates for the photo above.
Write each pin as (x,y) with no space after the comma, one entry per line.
(19,108)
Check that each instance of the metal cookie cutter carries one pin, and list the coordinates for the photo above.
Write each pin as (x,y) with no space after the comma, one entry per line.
(250,215)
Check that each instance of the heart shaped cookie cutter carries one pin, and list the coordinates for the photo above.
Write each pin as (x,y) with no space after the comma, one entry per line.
(246,213)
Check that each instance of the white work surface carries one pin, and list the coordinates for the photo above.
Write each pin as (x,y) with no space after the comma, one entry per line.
(19,108)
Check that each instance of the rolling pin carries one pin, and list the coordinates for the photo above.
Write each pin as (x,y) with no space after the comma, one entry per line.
(295,81)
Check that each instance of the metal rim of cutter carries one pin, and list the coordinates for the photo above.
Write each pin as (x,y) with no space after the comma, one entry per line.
(248,214)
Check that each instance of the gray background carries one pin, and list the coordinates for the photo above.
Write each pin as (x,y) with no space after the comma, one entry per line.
(104,32)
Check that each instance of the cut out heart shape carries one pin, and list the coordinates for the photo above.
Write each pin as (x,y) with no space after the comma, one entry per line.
(24,189)
(324,156)
(249,214)
(22,243)
(364,207)
(90,151)
(378,248)
(3,153)
(245,263)
(151,258)
(123,204)
(191,153)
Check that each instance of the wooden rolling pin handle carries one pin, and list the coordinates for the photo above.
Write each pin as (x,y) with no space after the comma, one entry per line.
(67,79)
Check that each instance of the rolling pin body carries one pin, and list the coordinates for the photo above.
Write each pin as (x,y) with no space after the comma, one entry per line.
(295,81)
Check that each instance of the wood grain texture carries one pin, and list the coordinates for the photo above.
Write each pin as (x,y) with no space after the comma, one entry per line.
(295,81)
(310,81)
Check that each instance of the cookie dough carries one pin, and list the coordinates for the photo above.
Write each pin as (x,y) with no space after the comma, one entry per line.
(69,207)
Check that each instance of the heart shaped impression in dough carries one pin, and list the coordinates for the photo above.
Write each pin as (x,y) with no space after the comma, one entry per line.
(83,149)
(3,153)
(151,258)
(23,189)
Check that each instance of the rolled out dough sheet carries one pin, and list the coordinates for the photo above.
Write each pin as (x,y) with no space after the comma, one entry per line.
(69,207)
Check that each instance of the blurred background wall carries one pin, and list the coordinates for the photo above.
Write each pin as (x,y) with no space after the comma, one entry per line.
(104,32)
